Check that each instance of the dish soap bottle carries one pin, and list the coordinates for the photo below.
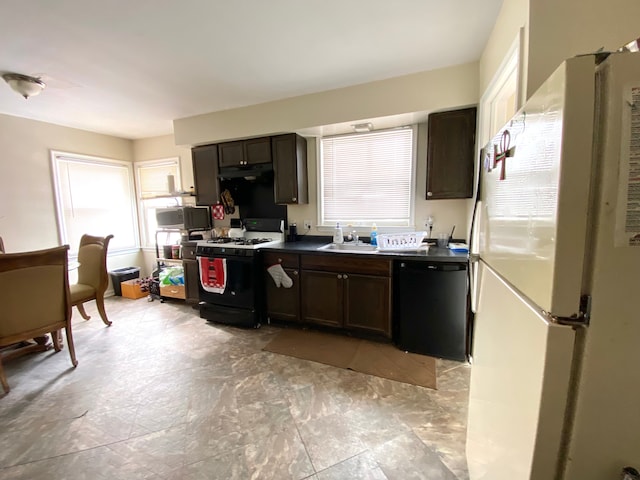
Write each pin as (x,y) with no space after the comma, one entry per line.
(337,234)
(373,236)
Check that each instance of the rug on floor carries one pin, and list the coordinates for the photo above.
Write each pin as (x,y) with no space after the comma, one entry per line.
(378,359)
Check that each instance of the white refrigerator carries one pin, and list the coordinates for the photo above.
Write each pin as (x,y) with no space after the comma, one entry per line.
(555,379)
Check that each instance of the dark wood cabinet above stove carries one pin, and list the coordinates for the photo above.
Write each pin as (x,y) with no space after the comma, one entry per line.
(289,154)
(245,152)
(205,174)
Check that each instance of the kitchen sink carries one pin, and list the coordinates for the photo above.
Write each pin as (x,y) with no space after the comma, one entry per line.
(349,248)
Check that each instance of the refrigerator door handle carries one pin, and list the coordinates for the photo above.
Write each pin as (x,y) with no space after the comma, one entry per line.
(580,319)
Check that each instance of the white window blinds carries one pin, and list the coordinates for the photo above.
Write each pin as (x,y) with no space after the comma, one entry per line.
(367,178)
(95,196)
(153,188)
(153,177)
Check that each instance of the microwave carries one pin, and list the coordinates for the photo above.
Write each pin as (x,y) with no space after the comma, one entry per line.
(184,218)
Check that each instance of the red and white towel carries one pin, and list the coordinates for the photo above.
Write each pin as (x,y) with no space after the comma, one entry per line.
(213,274)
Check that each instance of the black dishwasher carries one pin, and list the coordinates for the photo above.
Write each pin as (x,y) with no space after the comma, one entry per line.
(430,308)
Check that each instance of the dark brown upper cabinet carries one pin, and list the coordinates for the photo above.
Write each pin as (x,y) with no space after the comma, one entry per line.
(205,174)
(245,152)
(450,154)
(289,153)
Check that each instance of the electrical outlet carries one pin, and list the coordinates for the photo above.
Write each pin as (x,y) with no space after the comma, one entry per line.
(307,224)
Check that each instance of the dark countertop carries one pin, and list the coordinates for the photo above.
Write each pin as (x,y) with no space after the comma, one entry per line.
(433,254)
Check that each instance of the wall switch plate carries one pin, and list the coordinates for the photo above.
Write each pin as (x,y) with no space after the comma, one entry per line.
(307,224)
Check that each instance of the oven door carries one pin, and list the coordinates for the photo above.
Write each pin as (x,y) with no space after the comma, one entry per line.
(240,287)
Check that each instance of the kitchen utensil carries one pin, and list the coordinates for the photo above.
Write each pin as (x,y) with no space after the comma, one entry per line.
(443,239)
(451,236)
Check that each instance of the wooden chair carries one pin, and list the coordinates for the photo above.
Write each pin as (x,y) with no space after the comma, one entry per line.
(35,299)
(92,275)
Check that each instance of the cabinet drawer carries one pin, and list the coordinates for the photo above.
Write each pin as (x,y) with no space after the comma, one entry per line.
(287,260)
(173,291)
(346,263)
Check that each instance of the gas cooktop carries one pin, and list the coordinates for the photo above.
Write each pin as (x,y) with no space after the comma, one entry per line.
(259,233)
(241,241)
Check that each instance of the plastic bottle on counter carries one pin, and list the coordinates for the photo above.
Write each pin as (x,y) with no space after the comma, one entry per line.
(337,234)
(373,236)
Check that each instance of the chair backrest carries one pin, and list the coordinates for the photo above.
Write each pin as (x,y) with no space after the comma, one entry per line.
(92,256)
(34,294)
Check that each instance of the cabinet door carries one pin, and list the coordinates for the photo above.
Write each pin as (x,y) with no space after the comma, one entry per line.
(450,154)
(205,174)
(322,298)
(367,303)
(290,168)
(191,280)
(283,303)
(257,150)
(231,154)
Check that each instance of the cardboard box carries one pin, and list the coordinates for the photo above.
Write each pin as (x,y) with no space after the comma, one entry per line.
(131,289)
(173,291)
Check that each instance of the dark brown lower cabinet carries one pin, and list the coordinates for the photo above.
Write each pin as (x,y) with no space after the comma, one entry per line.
(191,281)
(282,303)
(347,292)
(322,298)
(367,303)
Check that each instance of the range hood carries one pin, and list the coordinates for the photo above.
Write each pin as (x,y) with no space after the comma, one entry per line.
(248,172)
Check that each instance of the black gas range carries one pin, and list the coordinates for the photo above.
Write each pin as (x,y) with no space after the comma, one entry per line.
(230,275)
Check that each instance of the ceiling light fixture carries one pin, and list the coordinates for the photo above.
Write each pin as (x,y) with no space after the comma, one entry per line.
(363,127)
(24,84)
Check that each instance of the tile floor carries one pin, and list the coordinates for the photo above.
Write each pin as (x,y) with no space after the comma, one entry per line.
(162,394)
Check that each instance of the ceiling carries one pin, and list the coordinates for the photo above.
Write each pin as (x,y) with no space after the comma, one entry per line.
(129,68)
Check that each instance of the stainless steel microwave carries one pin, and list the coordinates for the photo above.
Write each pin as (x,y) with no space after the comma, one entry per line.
(184,218)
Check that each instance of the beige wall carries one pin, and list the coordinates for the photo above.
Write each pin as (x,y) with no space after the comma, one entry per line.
(514,15)
(561,29)
(425,91)
(157,148)
(27,202)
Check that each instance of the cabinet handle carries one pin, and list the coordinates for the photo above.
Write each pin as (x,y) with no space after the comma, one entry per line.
(345,276)
(295,272)
(279,260)
(293,199)
(429,194)
(339,277)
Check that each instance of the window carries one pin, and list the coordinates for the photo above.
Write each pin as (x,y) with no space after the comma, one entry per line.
(94,196)
(153,193)
(501,100)
(367,178)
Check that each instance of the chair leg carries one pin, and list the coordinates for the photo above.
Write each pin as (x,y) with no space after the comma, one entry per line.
(101,310)
(3,379)
(55,338)
(82,312)
(72,349)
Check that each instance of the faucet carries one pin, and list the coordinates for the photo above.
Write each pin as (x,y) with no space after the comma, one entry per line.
(355,236)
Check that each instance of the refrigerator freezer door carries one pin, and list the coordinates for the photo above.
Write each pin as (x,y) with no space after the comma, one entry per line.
(519,386)
(534,220)
(606,424)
